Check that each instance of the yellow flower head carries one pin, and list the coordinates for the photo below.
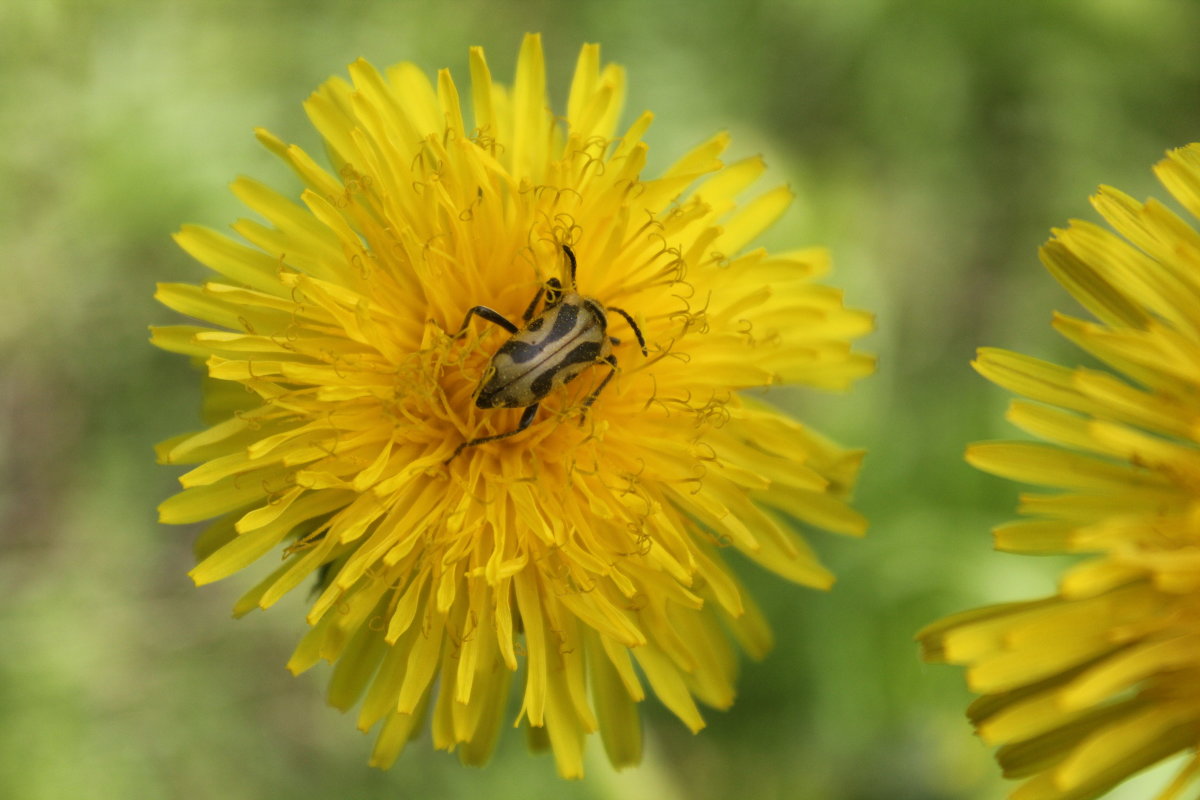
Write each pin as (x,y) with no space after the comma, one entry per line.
(1091,685)
(579,555)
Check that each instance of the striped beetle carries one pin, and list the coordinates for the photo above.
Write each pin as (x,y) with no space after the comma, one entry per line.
(568,336)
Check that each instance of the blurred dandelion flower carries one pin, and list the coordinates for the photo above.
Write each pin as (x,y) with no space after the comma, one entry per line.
(580,554)
(1089,686)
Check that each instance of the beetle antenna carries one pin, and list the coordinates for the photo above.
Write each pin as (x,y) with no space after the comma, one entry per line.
(636,330)
(571,258)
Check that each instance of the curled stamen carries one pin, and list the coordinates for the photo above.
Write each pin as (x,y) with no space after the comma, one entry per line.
(565,229)
(360,263)
(652,221)
(253,421)
(585,587)
(282,269)
(306,543)
(710,455)
(284,343)
(589,162)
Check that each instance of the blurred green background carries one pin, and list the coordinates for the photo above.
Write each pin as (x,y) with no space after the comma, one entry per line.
(932,145)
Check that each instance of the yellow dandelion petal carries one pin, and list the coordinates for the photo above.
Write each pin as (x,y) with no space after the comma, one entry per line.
(474,507)
(1087,687)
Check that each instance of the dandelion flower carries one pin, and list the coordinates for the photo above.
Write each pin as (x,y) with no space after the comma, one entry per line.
(579,557)
(1087,687)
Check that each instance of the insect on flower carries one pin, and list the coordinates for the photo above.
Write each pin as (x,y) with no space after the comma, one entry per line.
(581,569)
(554,347)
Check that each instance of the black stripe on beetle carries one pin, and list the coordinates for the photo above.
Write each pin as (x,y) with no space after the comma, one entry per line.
(584,353)
(555,346)
(569,366)
(519,352)
(565,319)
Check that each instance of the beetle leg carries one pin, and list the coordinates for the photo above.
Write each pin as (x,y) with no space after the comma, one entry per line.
(490,315)
(526,419)
(636,330)
(611,360)
(528,315)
